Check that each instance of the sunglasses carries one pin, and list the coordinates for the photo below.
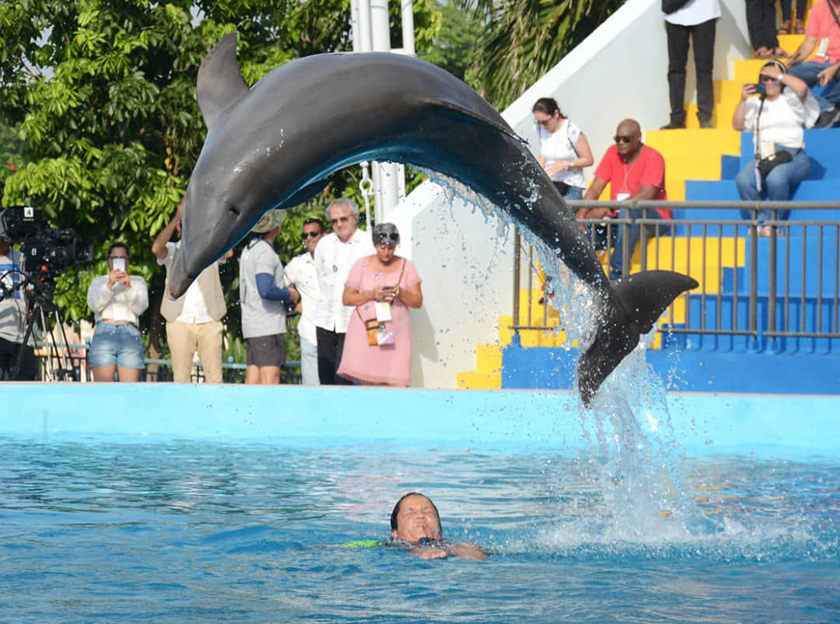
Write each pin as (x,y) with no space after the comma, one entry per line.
(624,139)
(306,235)
(763,78)
(339,220)
(384,237)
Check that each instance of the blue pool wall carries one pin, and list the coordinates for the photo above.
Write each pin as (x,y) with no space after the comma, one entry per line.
(322,416)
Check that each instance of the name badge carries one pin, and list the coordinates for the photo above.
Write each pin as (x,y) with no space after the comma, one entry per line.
(383,311)
(822,50)
(622,196)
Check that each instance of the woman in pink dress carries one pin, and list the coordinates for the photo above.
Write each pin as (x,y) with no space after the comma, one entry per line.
(377,346)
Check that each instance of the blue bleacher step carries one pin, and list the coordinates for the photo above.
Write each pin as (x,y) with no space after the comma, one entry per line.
(725,190)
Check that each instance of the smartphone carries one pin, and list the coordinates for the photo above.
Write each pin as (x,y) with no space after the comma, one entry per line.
(119,264)
(760,89)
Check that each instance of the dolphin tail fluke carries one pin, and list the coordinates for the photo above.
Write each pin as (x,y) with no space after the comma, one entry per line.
(635,305)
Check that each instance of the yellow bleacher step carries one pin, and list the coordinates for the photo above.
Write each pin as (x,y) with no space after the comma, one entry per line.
(489,359)
(719,140)
(479,381)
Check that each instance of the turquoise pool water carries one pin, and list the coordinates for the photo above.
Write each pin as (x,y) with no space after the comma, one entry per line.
(94,529)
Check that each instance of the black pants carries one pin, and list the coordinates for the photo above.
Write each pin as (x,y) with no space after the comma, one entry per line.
(761,22)
(800,9)
(703,38)
(330,348)
(8,357)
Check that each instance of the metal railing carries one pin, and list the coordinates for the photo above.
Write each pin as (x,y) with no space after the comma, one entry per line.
(72,359)
(756,280)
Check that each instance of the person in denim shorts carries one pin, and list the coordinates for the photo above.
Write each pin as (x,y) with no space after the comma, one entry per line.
(117,300)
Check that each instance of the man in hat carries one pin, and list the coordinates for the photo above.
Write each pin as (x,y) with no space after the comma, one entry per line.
(262,294)
(193,320)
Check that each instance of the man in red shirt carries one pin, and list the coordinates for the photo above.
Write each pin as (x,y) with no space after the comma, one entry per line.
(634,172)
(822,35)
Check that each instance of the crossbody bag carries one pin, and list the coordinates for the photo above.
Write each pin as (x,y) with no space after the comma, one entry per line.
(381,333)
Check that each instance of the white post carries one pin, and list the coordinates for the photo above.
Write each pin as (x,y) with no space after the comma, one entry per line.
(408,27)
(365,45)
(354,26)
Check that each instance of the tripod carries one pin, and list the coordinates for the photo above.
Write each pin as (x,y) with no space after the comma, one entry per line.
(42,302)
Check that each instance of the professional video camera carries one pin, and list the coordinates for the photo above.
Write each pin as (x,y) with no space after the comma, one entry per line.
(47,251)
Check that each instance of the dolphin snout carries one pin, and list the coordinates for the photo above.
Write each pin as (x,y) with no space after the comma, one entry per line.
(179,279)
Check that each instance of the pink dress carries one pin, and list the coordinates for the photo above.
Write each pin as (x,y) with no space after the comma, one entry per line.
(385,364)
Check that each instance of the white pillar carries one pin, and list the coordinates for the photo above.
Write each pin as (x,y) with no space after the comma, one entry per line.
(408,27)
(354,26)
(365,43)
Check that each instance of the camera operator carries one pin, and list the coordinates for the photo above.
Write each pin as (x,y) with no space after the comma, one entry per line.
(117,300)
(13,318)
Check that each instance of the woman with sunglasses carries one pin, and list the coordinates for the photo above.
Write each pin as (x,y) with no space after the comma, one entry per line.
(382,287)
(777,118)
(117,300)
(563,148)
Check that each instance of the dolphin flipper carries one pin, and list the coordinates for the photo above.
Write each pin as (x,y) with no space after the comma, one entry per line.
(636,304)
(219,81)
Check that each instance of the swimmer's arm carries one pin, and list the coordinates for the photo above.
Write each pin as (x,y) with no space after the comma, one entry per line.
(429,553)
(467,550)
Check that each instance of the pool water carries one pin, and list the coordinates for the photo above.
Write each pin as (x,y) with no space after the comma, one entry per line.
(102,531)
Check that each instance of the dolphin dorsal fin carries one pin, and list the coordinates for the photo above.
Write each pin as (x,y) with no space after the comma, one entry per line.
(219,82)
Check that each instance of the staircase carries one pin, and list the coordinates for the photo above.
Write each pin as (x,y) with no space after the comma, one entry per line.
(702,165)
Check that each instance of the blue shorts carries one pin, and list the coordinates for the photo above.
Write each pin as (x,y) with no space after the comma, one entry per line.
(119,345)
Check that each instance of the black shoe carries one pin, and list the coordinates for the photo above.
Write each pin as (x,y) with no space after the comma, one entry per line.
(706,123)
(828,118)
(674,126)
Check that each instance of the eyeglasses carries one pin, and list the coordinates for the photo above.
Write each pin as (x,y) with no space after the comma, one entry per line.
(544,122)
(624,139)
(339,220)
(306,235)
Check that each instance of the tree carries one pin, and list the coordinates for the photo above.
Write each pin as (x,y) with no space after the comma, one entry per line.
(523,39)
(103,93)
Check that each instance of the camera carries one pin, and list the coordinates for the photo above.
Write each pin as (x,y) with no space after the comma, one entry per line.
(47,251)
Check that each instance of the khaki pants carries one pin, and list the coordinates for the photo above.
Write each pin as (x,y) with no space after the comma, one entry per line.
(187,338)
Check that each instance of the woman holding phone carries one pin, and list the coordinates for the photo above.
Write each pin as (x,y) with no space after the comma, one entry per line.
(117,300)
(382,287)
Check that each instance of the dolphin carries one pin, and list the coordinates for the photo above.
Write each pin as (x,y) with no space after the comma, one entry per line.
(273,146)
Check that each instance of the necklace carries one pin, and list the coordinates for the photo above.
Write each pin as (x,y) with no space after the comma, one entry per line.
(627,171)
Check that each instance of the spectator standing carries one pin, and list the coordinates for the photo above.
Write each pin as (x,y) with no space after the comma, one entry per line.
(634,172)
(801,9)
(117,300)
(822,35)
(13,311)
(778,121)
(382,288)
(334,257)
(696,19)
(761,23)
(261,296)
(303,275)
(194,320)
(563,150)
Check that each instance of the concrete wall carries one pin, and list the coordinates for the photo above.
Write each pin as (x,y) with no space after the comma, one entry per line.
(619,71)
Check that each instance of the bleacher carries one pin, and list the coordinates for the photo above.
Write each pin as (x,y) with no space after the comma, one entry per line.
(711,349)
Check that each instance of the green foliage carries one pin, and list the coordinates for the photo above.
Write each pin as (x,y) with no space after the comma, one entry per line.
(455,46)
(523,39)
(103,94)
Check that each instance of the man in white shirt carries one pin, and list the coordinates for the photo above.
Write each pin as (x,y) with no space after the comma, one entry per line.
(334,257)
(696,19)
(13,317)
(303,275)
(194,320)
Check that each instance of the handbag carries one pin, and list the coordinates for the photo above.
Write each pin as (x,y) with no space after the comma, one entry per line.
(671,6)
(766,165)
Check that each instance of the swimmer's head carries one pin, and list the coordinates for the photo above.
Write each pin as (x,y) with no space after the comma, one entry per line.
(415,517)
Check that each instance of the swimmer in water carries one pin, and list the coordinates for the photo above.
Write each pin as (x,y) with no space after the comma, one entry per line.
(415,524)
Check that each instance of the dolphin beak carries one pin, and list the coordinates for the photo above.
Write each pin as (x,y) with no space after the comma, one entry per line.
(179,279)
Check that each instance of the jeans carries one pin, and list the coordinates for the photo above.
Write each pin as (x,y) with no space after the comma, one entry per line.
(309,363)
(634,233)
(807,72)
(116,344)
(800,9)
(778,186)
(761,23)
(703,36)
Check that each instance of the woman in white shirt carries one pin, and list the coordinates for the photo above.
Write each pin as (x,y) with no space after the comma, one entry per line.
(778,119)
(117,300)
(563,149)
